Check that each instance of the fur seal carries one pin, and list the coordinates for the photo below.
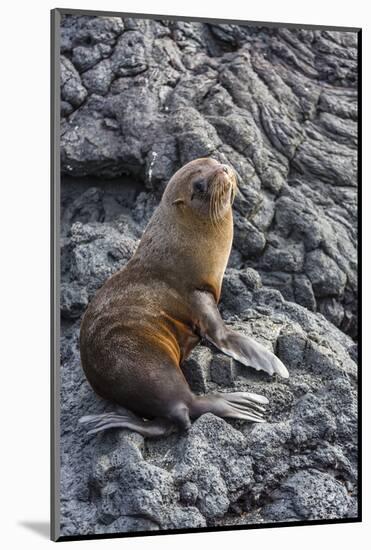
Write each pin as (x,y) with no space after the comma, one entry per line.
(146,319)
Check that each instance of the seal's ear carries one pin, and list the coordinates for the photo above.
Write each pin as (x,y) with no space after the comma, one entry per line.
(178,201)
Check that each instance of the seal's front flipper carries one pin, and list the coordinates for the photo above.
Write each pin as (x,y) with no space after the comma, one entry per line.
(151,428)
(248,352)
(242,348)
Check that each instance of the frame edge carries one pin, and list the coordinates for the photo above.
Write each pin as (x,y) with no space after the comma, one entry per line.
(55,16)
(107,13)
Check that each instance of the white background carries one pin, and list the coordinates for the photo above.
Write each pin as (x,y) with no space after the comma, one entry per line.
(24,270)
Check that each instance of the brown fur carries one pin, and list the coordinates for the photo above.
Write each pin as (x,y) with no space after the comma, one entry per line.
(140,325)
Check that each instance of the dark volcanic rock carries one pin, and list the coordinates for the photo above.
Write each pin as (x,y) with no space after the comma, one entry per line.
(139,99)
(309,495)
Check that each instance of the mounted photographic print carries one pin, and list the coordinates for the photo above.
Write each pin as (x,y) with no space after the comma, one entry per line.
(204,277)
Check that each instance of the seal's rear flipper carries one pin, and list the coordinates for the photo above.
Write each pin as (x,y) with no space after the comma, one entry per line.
(151,428)
(240,405)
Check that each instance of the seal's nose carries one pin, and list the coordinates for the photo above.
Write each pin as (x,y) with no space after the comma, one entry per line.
(223,168)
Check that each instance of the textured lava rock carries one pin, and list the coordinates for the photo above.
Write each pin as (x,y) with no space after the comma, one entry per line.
(139,99)
(309,496)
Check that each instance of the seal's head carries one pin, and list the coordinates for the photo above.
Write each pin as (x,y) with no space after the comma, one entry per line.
(203,188)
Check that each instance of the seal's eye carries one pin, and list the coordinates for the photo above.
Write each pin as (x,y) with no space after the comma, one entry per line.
(200,186)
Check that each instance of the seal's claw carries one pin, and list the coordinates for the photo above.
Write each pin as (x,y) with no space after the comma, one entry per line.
(280,369)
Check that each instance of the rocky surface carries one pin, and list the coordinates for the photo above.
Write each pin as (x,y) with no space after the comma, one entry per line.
(139,99)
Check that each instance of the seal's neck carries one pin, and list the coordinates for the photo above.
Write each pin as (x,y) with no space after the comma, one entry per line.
(198,250)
